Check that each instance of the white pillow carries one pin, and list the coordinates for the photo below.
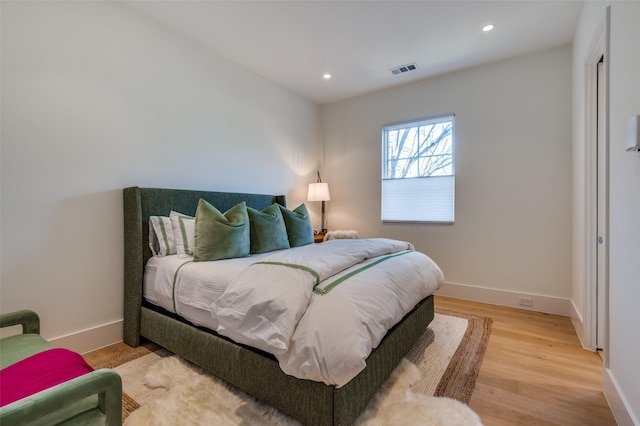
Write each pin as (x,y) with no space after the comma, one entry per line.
(183,230)
(161,239)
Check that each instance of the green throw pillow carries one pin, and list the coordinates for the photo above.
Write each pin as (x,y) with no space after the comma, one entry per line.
(221,236)
(268,231)
(298,223)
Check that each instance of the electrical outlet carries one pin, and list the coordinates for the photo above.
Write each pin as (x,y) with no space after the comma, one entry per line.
(525,301)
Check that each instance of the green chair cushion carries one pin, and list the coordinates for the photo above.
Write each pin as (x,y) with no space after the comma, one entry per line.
(16,348)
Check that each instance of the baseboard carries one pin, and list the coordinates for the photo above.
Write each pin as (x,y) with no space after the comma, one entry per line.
(578,322)
(90,339)
(540,303)
(619,406)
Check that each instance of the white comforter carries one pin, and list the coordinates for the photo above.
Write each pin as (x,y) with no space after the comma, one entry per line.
(320,309)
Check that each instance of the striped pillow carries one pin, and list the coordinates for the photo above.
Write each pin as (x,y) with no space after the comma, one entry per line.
(161,239)
(183,229)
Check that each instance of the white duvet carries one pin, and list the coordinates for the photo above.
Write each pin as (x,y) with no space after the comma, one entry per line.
(320,309)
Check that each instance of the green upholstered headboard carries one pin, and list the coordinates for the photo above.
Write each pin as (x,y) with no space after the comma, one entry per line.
(139,204)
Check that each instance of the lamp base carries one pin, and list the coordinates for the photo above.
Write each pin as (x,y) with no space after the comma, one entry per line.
(324,221)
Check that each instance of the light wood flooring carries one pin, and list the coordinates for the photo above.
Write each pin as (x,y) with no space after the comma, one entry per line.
(534,371)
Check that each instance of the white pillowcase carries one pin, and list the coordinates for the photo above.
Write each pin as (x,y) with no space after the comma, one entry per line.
(161,236)
(183,230)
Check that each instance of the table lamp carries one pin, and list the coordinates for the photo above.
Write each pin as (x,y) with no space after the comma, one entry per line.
(319,191)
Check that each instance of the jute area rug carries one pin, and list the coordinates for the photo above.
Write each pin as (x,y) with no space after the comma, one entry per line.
(433,383)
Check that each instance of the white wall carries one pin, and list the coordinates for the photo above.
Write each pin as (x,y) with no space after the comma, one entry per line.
(622,375)
(624,278)
(512,233)
(96,97)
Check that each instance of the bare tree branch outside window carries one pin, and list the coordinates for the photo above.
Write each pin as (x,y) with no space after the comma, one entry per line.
(421,150)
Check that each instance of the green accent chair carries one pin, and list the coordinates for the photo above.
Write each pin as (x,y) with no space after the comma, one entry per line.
(94,398)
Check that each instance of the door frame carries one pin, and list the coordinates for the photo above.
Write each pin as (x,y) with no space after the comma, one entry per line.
(599,49)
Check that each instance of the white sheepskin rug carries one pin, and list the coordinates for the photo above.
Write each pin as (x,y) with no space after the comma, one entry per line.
(186,395)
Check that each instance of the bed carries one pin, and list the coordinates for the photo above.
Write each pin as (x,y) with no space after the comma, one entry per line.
(255,371)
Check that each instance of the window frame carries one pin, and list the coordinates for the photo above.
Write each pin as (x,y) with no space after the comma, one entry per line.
(385,159)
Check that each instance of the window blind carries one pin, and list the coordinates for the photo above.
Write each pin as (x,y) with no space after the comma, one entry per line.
(421,199)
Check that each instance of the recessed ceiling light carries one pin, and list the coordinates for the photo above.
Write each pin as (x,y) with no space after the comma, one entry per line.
(326,76)
(488,27)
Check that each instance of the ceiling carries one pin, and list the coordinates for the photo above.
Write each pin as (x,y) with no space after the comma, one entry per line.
(293,43)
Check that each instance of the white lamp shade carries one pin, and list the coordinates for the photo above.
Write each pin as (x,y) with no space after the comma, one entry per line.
(318,192)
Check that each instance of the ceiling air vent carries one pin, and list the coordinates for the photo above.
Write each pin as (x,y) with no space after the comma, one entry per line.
(404,68)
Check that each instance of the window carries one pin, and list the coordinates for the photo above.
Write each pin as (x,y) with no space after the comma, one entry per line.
(418,173)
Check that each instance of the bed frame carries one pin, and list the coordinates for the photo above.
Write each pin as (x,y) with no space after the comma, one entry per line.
(253,371)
